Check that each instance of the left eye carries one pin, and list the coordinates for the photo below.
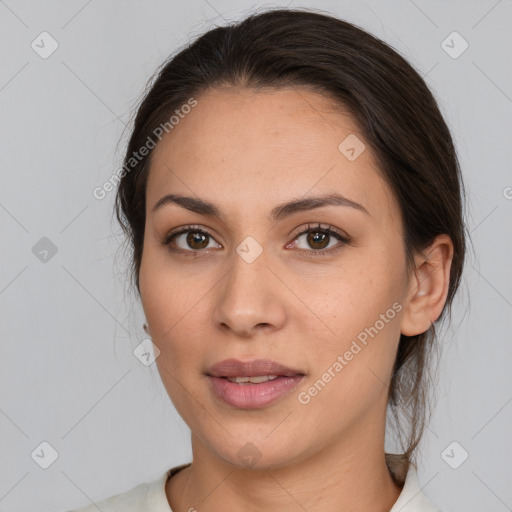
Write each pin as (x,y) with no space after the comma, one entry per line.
(318,238)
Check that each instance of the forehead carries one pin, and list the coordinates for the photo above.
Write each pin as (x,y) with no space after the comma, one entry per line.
(245,146)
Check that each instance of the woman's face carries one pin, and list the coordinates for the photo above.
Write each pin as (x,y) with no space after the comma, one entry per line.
(258,286)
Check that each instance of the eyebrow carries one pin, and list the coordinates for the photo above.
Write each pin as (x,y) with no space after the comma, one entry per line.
(280,212)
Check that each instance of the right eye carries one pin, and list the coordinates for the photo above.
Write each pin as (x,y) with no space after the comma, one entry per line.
(192,238)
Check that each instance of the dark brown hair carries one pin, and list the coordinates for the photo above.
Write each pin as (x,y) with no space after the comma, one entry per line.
(395,111)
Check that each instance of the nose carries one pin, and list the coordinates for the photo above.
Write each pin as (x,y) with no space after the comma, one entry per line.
(251,298)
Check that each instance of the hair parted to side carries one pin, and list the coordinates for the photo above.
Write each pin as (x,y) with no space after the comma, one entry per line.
(396,113)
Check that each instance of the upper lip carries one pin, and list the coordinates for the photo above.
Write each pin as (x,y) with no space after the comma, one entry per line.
(256,367)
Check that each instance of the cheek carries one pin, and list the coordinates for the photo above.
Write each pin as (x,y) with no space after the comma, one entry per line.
(359,311)
(341,304)
(164,293)
(171,309)
(159,299)
(175,308)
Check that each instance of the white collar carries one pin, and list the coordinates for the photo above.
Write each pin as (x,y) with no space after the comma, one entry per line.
(411,498)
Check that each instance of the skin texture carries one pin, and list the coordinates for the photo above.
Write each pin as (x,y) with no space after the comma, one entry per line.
(248,151)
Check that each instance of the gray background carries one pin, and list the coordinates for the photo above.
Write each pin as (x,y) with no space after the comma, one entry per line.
(69,325)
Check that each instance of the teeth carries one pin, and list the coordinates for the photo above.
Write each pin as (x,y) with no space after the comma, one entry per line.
(253,380)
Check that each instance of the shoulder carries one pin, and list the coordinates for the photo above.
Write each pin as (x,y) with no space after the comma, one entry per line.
(145,496)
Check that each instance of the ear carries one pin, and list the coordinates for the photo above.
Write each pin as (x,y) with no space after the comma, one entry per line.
(428,286)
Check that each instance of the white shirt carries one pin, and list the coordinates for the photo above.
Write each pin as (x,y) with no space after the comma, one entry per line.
(151,497)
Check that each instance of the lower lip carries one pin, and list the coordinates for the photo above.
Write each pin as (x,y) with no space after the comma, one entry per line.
(253,396)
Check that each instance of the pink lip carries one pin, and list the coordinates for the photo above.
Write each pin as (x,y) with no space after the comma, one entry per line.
(253,396)
(249,395)
(236,368)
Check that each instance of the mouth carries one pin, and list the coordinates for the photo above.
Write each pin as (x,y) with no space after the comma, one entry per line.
(257,370)
(253,384)
(257,379)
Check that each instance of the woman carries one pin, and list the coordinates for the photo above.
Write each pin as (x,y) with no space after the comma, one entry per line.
(293,200)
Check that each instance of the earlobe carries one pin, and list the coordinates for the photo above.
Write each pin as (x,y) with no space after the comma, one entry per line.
(428,287)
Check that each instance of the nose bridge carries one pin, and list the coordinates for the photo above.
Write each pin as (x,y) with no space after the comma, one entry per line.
(247,299)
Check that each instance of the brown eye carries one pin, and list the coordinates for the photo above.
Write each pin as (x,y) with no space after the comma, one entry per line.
(189,240)
(196,237)
(317,239)
(193,241)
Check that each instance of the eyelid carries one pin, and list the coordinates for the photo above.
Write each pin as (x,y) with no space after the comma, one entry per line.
(311,226)
(342,237)
(184,229)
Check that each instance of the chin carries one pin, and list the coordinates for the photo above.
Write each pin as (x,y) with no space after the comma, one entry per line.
(255,453)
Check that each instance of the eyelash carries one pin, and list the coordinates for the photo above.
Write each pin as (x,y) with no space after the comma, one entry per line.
(317,228)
